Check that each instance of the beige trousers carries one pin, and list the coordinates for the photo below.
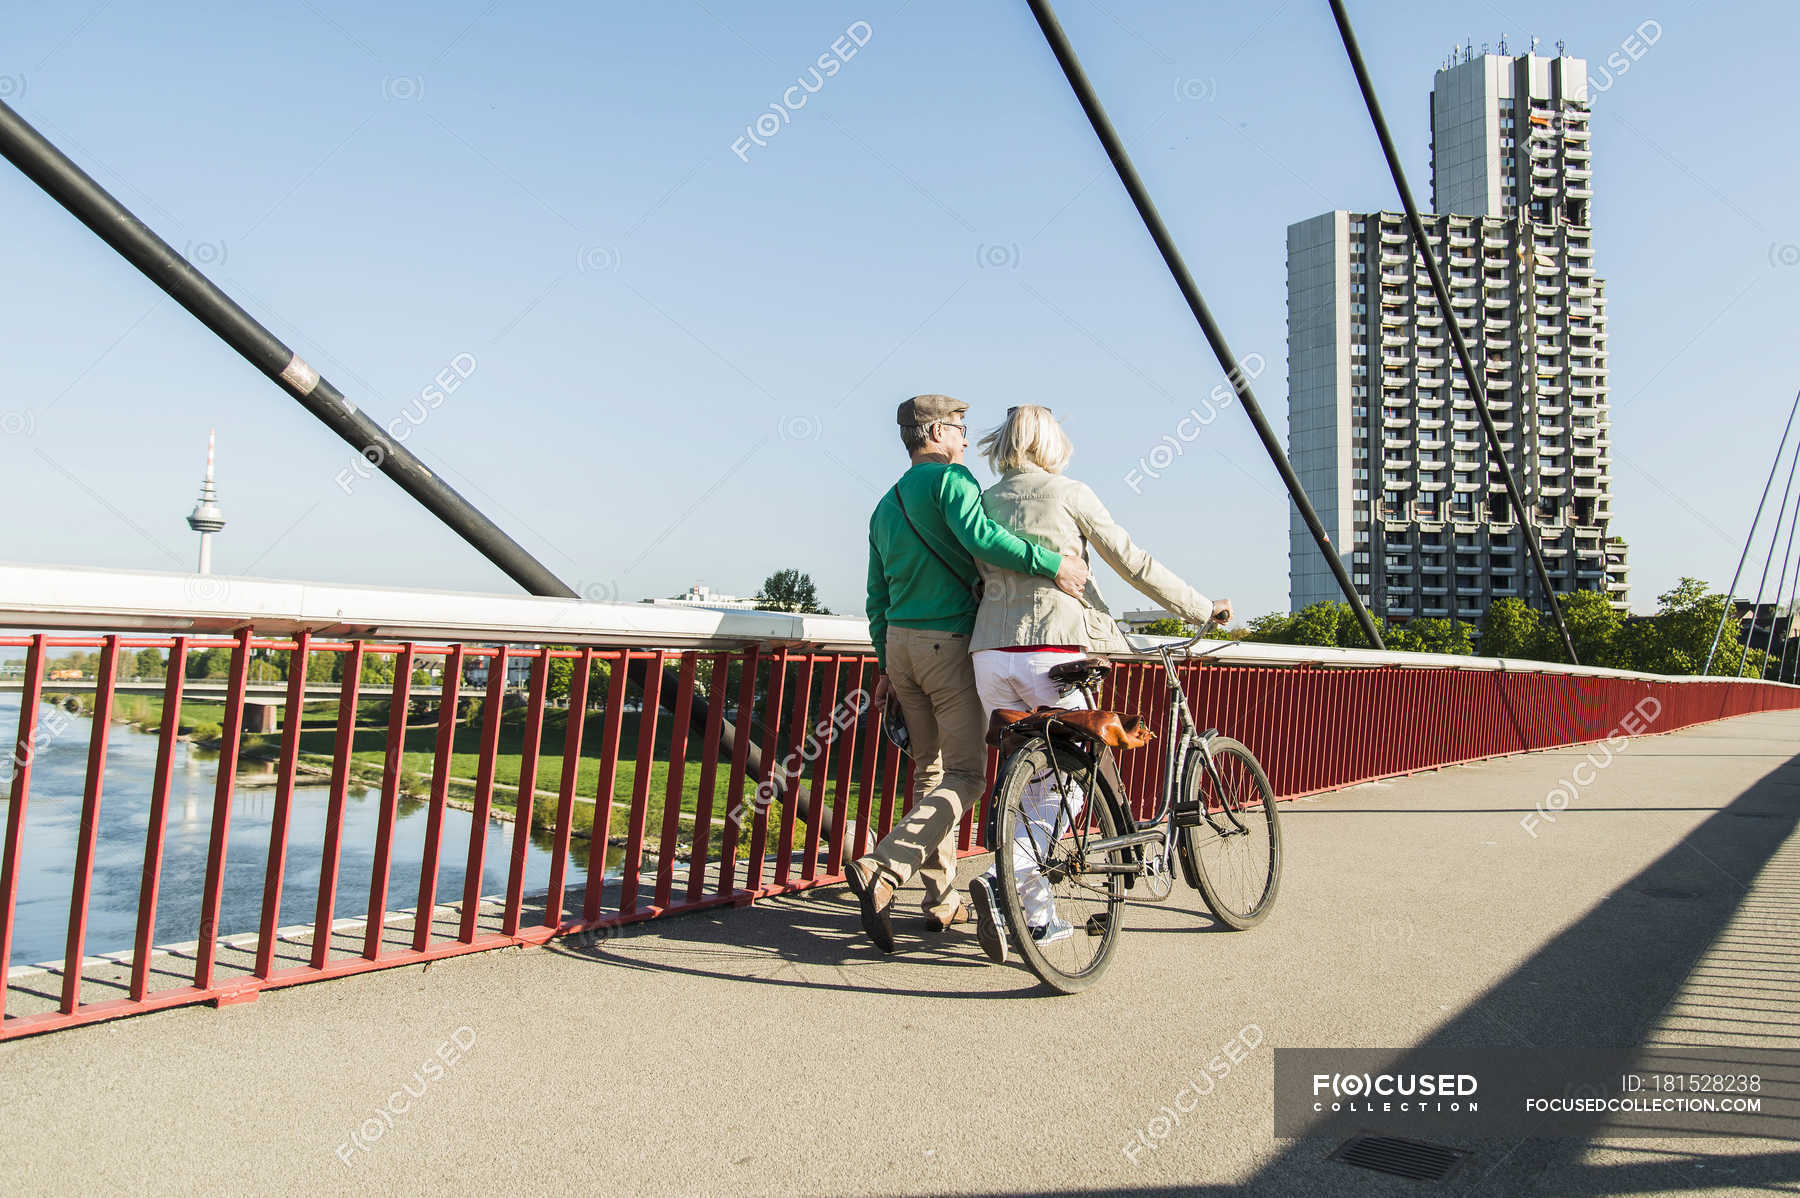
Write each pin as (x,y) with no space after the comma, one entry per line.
(935,684)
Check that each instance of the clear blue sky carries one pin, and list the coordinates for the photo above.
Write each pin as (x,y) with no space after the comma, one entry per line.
(687,364)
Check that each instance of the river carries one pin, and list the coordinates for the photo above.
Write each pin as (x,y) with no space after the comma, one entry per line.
(53,818)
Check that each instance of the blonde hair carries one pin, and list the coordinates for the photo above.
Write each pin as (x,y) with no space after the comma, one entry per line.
(1031,436)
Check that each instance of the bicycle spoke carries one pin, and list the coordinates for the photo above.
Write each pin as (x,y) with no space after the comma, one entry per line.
(1236,850)
(1047,880)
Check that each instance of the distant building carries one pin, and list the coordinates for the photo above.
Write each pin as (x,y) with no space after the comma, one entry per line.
(518,670)
(1135,620)
(1763,625)
(700,595)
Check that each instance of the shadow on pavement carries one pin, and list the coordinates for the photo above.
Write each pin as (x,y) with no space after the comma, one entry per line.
(1607,982)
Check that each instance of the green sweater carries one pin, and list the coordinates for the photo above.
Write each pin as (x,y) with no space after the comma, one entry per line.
(908,585)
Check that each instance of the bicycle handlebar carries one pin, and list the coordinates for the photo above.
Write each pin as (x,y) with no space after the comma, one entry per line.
(1183,645)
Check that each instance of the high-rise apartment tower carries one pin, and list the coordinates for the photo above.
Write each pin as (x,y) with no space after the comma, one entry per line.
(1381,424)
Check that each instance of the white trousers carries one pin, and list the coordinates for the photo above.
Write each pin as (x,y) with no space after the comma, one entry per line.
(1022,680)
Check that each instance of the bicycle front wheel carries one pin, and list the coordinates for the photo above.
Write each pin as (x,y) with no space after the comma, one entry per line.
(1063,902)
(1234,848)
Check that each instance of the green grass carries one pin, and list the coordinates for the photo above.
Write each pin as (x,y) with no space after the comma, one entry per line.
(369,755)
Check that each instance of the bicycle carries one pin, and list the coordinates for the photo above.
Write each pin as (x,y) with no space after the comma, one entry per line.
(1062,882)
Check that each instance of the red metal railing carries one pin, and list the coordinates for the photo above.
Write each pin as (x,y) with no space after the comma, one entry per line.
(800,711)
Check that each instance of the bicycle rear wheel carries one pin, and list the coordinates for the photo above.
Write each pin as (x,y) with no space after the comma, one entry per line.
(1234,850)
(1062,913)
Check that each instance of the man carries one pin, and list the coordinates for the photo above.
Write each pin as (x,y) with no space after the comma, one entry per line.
(924,537)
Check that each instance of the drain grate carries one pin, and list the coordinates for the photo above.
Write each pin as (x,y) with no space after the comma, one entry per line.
(1412,1159)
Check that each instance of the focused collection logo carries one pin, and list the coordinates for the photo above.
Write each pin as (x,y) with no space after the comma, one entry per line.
(1364,1093)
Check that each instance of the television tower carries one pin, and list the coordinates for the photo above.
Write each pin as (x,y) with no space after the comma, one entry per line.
(206,518)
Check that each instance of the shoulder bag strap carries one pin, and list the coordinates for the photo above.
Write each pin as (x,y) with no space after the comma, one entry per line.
(954,573)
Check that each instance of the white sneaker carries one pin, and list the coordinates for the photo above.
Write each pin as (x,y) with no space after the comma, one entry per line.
(1053,931)
(990,925)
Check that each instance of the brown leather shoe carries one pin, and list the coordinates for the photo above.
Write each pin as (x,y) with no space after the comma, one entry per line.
(875,894)
(962,914)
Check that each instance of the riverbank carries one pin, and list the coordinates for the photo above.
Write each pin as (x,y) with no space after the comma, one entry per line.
(259,753)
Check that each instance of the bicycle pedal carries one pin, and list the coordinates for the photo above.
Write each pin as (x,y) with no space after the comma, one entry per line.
(1096,925)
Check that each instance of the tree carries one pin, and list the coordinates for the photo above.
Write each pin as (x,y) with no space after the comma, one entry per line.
(147,664)
(1274,628)
(209,663)
(265,667)
(376,668)
(1167,626)
(1350,634)
(562,675)
(1510,628)
(1681,633)
(1434,635)
(1323,623)
(1317,623)
(1594,627)
(789,590)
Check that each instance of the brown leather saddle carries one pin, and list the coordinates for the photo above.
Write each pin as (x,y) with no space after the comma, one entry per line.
(1116,730)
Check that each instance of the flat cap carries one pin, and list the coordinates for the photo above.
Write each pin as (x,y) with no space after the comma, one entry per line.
(924,409)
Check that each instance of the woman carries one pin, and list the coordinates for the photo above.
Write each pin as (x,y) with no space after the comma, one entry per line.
(1026,626)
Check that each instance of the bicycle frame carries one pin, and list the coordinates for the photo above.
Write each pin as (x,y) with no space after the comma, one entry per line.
(1179,734)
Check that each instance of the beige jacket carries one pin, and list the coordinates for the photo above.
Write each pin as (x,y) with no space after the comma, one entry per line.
(1066,516)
